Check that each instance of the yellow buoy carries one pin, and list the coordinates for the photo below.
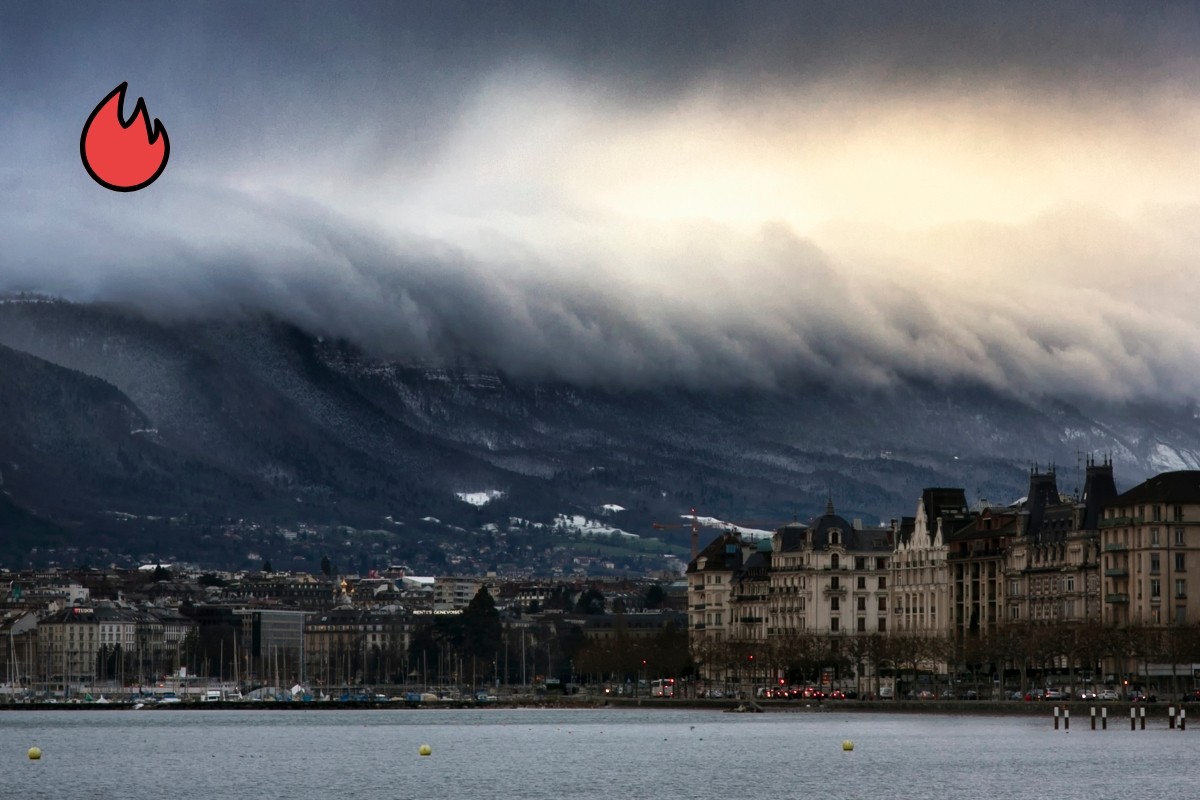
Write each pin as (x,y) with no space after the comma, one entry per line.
(847,745)
(425,750)
(35,753)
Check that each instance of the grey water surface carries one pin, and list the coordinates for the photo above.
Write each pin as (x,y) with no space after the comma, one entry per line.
(625,754)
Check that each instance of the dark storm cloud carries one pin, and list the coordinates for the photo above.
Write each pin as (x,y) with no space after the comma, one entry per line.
(333,163)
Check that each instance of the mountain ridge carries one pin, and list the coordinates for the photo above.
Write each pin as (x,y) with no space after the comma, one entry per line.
(254,417)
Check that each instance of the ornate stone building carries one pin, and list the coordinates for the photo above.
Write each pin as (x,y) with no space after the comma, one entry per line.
(1053,571)
(920,585)
(1150,539)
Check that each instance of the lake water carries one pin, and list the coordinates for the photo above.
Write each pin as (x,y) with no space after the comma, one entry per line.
(630,754)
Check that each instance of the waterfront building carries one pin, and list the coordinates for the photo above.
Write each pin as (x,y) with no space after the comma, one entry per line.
(1150,539)
(920,584)
(1053,573)
(349,646)
(829,577)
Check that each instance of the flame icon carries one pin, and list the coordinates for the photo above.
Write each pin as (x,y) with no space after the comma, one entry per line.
(120,155)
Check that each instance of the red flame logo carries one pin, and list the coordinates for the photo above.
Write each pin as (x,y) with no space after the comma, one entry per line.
(123,156)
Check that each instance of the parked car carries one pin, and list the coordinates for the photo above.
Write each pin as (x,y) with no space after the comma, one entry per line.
(1192,696)
(1053,694)
(885,693)
(1087,694)
(1108,695)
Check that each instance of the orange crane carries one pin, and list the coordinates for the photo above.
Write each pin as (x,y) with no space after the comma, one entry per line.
(695,526)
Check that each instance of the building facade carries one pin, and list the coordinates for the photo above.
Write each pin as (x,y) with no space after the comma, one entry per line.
(1150,540)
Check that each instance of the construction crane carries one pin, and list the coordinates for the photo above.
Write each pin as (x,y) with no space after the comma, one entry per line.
(695,526)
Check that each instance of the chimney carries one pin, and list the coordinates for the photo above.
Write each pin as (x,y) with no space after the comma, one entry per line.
(858,523)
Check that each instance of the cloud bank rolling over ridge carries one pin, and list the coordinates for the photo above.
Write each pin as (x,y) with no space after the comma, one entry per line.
(641,195)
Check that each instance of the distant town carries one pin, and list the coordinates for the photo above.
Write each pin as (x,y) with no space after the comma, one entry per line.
(1076,595)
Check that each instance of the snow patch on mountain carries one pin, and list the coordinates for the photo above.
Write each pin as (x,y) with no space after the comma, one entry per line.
(588,527)
(713,522)
(479,499)
(1169,459)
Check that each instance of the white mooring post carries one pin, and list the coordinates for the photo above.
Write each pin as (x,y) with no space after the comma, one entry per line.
(1143,710)
(1056,718)
(1183,719)
(1104,719)
(1171,717)
(1133,719)
(1093,718)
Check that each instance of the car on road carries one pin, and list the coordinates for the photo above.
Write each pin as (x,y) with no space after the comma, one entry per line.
(1087,694)
(1053,694)
(1108,694)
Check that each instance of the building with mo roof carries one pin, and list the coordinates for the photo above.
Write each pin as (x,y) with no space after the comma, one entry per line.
(828,577)
(1054,564)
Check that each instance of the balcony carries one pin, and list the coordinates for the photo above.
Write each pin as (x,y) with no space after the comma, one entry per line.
(751,620)
(1116,598)
(699,607)
(1115,547)
(1120,522)
(699,626)
(1116,572)
(831,591)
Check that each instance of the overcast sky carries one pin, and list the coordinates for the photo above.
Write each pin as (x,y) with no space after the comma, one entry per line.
(641,193)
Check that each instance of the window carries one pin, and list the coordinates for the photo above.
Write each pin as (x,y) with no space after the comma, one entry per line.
(1180,589)
(883,624)
(1180,562)
(1154,537)
(862,604)
(862,624)
(1014,612)
(882,583)
(860,563)
(881,562)
(833,604)
(862,582)
(1070,583)
(1180,615)
(1014,587)
(1157,513)
(833,559)
(833,625)
(1179,513)
(1155,587)
(1154,564)
(1179,538)
(717,618)
(883,604)
(1156,616)
(834,584)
